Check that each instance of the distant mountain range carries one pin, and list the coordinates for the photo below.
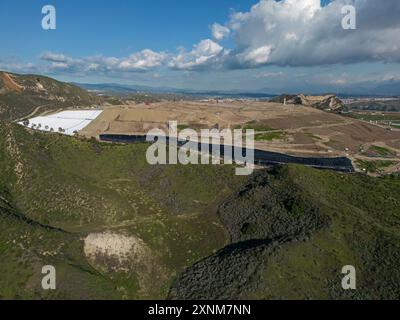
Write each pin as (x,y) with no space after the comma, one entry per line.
(123,89)
(115,88)
(387,88)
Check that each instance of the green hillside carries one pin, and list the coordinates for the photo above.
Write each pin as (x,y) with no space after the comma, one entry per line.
(117,228)
(293,230)
(57,190)
(21,95)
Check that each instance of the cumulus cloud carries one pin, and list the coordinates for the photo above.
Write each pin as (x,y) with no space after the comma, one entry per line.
(303,33)
(138,62)
(205,54)
(219,32)
(144,60)
(55,57)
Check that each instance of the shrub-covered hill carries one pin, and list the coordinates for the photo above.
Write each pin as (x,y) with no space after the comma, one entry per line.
(21,95)
(292,231)
(116,228)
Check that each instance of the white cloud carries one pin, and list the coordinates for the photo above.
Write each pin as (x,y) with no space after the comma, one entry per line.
(255,56)
(144,60)
(138,62)
(219,32)
(302,33)
(55,57)
(205,54)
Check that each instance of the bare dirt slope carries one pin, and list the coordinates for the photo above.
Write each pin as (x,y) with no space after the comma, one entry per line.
(9,83)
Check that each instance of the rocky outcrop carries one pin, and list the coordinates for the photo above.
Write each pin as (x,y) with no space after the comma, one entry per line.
(325,102)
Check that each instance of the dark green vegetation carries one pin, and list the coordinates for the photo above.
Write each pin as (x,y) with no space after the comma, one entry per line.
(293,229)
(21,95)
(198,231)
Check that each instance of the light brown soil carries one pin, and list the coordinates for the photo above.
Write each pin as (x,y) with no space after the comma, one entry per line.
(119,253)
(9,83)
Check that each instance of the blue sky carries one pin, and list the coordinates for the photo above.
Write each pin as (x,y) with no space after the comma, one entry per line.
(208,44)
(110,27)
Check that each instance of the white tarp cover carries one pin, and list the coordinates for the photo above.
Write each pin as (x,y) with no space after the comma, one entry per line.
(70,121)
